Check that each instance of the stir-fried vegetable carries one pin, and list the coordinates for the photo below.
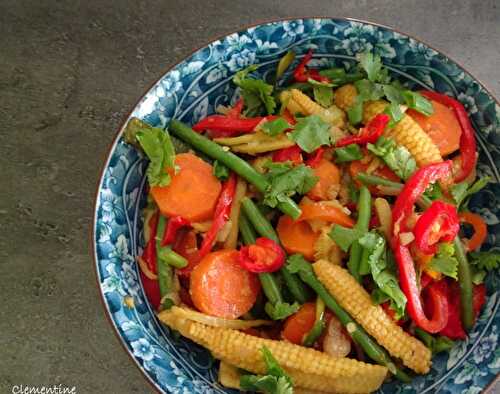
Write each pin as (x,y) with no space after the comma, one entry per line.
(292,169)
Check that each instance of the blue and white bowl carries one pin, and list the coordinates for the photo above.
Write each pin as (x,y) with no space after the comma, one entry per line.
(191,90)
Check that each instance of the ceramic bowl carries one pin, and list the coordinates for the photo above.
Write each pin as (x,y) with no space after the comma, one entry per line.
(192,89)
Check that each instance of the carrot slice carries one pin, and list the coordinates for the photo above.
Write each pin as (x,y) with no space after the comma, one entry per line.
(323,210)
(480,229)
(193,191)
(383,171)
(329,176)
(220,287)
(299,324)
(297,236)
(442,126)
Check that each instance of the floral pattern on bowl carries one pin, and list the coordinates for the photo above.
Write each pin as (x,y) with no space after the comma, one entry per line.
(190,91)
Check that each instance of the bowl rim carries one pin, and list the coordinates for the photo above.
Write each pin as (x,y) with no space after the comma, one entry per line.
(169,68)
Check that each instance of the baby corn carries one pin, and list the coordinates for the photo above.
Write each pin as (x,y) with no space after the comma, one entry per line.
(308,368)
(408,133)
(332,115)
(357,302)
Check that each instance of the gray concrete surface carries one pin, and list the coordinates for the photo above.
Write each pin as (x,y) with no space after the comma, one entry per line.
(69,73)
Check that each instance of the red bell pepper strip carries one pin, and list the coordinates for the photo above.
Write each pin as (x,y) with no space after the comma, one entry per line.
(235,112)
(292,153)
(225,124)
(315,157)
(454,328)
(149,253)
(263,256)
(288,117)
(151,289)
(301,74)
(187,246)
(438,223)
(369,134)
(402,210)
(221,214)
(467,138)
(174,224)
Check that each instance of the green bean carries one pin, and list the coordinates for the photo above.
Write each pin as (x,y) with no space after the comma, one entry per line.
(265,229)
(465,283)
(423,202)
(357,333)
(165,271)
(268,282)
(259,221)
(246,230)
(364,214)
(167,255)
(235,163)
(367,179)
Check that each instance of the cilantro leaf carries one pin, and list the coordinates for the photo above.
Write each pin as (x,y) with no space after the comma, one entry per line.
(256,92)
(310,133)
(275,127)
(382,273)
(286,181)
(372,64)
(367,90)
(394,111)
(344,237)
(220,171)
(323,95)
(444,261)
(275,382)
(397,157)
(393,94)
(348,153)
(461,191)
(281,310)
(488,261)
(158,147)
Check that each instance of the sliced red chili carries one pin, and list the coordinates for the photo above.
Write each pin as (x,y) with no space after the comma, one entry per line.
(292,153)
(173,226)
(263,256)
(314,158)
(402,210)
(368,134)
(235,112)
(221,214)
(302,74)
(438,223)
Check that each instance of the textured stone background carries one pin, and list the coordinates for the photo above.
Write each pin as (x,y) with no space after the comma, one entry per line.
(69,73)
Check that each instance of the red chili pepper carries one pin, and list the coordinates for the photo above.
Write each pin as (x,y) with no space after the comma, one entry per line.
(174,224)
(149,253)
(221,214)
(374,221)
(225,124)
(235,112)
(187,246)
(301,74)
(151,289)
(369,134)
(315,157)
(263,256)
(438,223)
(467,138)
(293,154)
(454,328)
(402,210)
